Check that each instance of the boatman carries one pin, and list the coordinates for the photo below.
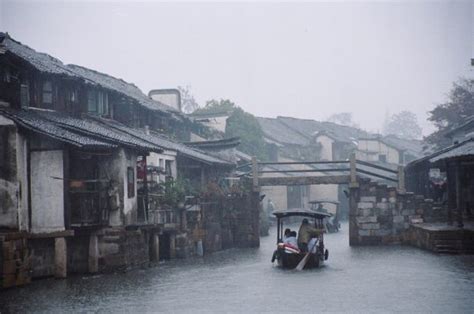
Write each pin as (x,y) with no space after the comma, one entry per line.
(305,234)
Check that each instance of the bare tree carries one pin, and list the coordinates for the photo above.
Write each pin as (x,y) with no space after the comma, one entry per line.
(188,103)
(343,118)
(404,125)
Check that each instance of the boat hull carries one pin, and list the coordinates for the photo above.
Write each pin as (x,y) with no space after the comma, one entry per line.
(291,260)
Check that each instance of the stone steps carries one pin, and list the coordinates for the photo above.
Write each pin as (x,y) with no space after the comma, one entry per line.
(454,246)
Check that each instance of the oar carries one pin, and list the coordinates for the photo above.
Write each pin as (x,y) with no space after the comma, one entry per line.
(305,259)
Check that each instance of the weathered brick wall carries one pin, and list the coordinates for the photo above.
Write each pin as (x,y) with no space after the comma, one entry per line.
(78,254)
(15,262)
(382,214)
(42,257)
(120,249)
(227,222)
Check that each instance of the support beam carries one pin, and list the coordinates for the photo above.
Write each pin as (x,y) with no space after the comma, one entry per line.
(60,258)
(172,246)
(459,202)
(155,248)
(93,261)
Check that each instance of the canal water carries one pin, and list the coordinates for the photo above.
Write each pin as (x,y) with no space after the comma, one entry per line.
(364,279)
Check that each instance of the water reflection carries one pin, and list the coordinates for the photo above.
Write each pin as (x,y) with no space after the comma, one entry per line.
(368,279)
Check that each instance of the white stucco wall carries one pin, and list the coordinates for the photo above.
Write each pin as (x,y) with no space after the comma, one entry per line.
(371,149)
(326,147)
(130,203)
(47,193)
(170,99)
(278,195)
(22,177)
(115,169)
(154,160)
(218,123)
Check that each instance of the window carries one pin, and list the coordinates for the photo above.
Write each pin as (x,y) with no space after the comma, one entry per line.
(383,158)
(162,164)
(24,95)
(98,103)
(102,104)
(73,98)
(47,94)
(130,182)
(91,102)
(168,164)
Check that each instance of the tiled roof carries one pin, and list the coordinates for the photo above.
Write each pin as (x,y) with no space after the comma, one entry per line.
(277,131)
(413,147)
(467,123)
(463,149)
(40,61)
(120,86)
(167,143)
(311,127)
(31,120)
(91,127)
(225,143)
(288,130)
(48,64)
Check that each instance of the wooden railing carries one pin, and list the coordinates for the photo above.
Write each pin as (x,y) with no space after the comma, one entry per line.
(335,172)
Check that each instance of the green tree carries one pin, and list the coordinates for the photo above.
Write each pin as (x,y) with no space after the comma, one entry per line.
(458,107)
(246,126)
(404,125)
(215,106)
(240,124)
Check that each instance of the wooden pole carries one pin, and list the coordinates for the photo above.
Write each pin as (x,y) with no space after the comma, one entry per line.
(353,171)
(449,187)
(255,173)
(401,179)
(459,202)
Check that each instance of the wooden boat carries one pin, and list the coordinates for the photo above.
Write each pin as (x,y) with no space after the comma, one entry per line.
(287,257)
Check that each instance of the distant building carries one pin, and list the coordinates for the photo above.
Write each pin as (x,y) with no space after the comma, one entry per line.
(216,120)
(446,176)
(388,149)
(170,97)
(464,131)
(294,139)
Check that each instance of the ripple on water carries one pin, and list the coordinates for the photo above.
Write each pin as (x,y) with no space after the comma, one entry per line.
(362,279)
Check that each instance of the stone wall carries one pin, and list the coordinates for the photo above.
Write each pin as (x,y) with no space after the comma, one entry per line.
(224,223)
(120,249)
(78,254)
(15,262)
(381,214)
(42,257)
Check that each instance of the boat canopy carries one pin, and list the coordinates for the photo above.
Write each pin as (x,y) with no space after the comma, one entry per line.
(300,212)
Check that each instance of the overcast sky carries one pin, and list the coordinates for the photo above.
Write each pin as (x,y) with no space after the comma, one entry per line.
(306,60)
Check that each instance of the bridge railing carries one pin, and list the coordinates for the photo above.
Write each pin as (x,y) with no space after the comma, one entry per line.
(348,170)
